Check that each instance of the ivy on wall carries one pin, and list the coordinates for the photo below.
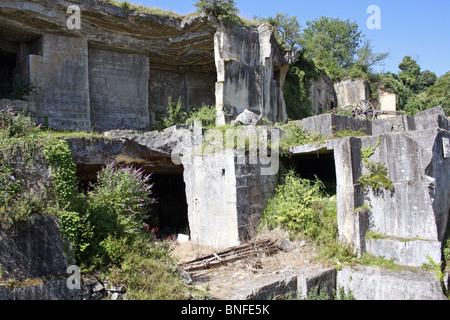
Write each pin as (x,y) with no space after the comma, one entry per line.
(377,176)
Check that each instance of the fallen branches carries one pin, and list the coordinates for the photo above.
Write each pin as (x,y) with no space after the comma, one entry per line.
(230,255)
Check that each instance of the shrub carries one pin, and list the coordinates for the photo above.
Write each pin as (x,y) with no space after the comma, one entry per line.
(294,135)
(295,204)
(205,114)
(16,203)
(116,207)
(59,156)
(16,125)
(377,176)
(176,114)
(301,207)
(148,271)
(17,88)
(223,10)
(124,193)
(76,230)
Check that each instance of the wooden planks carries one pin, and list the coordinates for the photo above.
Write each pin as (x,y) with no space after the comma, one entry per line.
(229,255)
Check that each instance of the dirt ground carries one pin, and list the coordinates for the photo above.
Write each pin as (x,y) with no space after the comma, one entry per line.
(225,281)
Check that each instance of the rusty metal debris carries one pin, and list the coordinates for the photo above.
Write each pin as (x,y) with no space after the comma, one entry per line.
(230,255)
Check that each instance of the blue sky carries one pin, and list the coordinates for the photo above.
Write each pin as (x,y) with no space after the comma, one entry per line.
(420,29)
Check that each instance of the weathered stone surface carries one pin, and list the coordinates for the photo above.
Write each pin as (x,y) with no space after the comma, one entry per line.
(328,124)
(248,118)
(316,281)
(33,249)
(300,283)
(417,208)
(414,217)
(394,124)
(120,68)
(322,95)
(118,90)
(250,73)
(226,197)
(409,252)
(50,290)
(60,75)
(372,283)
(351,91)
(431,118)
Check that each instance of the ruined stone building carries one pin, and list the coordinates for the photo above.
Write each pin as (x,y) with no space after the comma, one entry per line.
(118,70)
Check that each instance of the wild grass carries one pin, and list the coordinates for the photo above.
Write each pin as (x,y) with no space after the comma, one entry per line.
(132,8)
(129,7)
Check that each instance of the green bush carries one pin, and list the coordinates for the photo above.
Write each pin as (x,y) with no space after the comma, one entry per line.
(104,228)
(77,231)
(223,10)
(176,114)
(59,155)
(16,89)
(293,135)
(295,204)
(148,271)
(16,125)
(115,209)
(205,114)
(377,176)
(124,194)
(16,204)
(301,207)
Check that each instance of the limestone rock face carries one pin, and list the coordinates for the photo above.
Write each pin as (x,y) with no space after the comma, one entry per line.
(119,69)
(33,249)
(349,92)
(251,71)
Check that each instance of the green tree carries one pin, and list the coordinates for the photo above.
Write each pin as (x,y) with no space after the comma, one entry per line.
(287,30)
(439,94)
(223,10)
(410,71)
(364,61)
(425,80)
(392,83)
(297,85)
(332,44)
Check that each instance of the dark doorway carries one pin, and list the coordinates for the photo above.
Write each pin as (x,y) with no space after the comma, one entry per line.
(320,165)
(170,213)
(7,67)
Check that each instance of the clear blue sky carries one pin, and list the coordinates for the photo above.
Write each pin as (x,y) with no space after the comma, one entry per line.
(420,29)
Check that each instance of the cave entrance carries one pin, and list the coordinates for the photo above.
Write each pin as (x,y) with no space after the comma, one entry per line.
(321,165)
(16,46)
(170,212)
(7,67)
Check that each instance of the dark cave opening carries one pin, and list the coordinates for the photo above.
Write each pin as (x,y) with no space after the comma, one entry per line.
(169,214)
(7,69)
(320,165)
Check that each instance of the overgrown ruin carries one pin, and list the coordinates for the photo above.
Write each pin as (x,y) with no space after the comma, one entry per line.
(116,74)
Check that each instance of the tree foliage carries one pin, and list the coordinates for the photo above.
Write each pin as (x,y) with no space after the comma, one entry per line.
(410,71)
(223,10)
(287,30)
(417,90)
(332,44)
(365,59)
